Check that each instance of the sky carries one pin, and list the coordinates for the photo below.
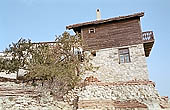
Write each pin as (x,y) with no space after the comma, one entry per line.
(41,20)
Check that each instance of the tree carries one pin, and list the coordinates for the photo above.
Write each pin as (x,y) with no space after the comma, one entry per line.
(17,55)
(60,64)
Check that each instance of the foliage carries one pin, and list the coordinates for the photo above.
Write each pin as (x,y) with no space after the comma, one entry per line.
(59,64)
(16,56)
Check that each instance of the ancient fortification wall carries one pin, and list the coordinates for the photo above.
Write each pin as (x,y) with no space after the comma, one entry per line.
(20,97)
(134,95)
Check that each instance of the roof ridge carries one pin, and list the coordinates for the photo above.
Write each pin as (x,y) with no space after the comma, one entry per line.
(140,14)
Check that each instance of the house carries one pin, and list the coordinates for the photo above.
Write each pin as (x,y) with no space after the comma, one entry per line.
(118,48)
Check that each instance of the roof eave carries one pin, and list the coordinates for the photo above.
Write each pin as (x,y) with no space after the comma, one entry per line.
(141,14)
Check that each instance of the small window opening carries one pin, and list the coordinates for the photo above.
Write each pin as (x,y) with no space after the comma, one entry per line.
(80,56)
(93,53)
(124,56)
(92,30)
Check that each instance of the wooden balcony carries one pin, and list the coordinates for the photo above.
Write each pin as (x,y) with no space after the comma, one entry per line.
(148,41)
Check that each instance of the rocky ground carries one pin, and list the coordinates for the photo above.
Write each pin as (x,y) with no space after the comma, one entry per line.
(20,96)
(15,95)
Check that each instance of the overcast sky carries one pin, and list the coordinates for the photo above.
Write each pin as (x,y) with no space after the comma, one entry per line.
(41,20)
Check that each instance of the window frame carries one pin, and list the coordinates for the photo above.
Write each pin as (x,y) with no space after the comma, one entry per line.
(93,53)
(92,31)
(125,55)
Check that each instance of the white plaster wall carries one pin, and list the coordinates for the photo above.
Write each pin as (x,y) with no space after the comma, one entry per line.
(11,75)
(21,72)
(111,71)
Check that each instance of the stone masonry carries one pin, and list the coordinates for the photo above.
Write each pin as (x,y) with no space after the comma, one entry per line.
(15,96)
(115,86)
(137,95)
(119,80)
(110,70)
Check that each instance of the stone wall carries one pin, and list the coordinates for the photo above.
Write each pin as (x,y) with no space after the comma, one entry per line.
(109,69)
(29,103)
(21,97)
(119,92)
(137,95)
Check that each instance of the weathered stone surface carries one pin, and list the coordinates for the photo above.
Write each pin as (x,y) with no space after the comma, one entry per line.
(111,82)
(98,95)
(110,70)
(14,97)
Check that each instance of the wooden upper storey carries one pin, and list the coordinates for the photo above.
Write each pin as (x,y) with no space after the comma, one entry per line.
(113,32)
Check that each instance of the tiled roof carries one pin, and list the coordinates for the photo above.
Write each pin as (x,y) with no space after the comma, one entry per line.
(105,20)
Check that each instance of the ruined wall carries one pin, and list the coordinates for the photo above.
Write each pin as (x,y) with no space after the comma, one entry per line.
(135,95)
(21,97)
(109,69)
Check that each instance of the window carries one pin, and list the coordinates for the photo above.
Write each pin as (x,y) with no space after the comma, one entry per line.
(93,53)
(92,30)
(124,56)
(80,55)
